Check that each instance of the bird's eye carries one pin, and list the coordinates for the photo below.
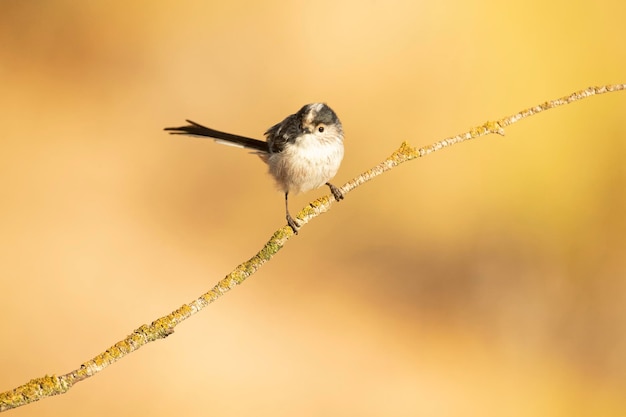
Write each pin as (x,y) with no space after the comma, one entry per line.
(320,129)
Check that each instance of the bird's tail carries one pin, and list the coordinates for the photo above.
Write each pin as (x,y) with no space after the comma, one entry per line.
(195,129)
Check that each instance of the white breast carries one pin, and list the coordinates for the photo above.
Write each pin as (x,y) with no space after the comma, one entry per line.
(307,164)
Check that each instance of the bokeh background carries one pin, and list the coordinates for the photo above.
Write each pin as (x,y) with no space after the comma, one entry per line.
(488,279)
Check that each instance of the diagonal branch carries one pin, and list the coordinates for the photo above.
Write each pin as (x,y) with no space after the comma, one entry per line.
(48,386)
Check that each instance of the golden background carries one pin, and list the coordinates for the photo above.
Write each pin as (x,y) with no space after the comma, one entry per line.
(488,279)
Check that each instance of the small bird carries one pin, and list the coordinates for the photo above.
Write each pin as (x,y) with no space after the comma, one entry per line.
(303,152)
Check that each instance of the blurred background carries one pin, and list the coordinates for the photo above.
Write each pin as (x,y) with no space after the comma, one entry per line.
(488,279)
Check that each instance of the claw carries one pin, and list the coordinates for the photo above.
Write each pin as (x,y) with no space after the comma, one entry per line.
(292,223)
(336,192)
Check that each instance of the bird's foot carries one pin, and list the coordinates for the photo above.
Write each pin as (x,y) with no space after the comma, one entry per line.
(336,192)
(292,223)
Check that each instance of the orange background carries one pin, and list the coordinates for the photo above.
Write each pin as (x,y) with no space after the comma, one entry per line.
(488,279)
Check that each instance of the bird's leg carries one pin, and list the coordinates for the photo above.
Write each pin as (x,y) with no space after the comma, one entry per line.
(290,221)
(336,192)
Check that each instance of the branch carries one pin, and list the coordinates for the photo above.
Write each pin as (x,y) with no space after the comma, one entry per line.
(48,386)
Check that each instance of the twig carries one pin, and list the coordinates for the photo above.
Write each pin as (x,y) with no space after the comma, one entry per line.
(48,386)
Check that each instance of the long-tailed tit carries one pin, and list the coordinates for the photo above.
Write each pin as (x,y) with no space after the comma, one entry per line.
(303,151)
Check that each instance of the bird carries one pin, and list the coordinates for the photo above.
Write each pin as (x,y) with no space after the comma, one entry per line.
(303,152)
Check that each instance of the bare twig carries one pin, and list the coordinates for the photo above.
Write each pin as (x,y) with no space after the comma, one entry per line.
(47,386)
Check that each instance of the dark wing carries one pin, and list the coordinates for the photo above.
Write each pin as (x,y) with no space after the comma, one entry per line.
(284,132)
(195,129)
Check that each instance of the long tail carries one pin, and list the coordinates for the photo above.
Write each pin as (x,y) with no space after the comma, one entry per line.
(195,129)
